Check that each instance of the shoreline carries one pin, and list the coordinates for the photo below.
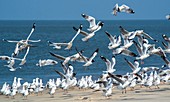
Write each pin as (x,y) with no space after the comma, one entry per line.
(143,94)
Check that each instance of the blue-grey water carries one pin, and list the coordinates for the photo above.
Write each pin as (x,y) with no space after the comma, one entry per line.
(61,31)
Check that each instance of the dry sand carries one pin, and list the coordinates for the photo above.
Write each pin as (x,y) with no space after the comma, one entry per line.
(80,95)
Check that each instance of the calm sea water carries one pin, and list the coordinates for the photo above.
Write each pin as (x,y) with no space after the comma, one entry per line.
(61,31)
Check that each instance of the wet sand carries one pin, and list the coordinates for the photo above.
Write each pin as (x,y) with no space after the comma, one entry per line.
(81,95)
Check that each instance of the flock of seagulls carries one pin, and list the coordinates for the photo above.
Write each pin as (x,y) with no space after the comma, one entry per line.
(119,45)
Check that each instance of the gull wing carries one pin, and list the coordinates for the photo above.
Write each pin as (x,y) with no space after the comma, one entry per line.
(123,31)
(111,38)
(116,78)
(148,36)
(139,49)
(58,56)
(166,46)
(10,41)
(81,31)
(130,64)
(61,74)
(34,40)
(64,67)
(90,19)
(94,54)
(107,62)
(128,53)
(83,57)
(32,30)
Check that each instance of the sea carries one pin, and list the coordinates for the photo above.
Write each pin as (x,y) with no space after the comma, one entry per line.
(62,31)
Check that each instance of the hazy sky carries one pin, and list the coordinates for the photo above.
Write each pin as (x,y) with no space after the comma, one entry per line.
(72,9)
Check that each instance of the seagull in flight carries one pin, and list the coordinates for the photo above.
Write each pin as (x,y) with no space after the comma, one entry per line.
(93,26)
(89,61)
(135,67)
(69,44)
(22,44)
(46,62)
(114,40)
(87,35)
(110,65)
(122,8)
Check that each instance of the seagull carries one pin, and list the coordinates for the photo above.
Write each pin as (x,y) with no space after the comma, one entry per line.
(87,35)
(142,51)
(74,57)
(110,65)
(133,34)
(122,84)
(46,62)
(114,41)
(135,67)
(141,32)
(93,26)
(147,69)
(124,51)
(11,62)
(108,86)
(122,8)
(69,44)
(22,44)
(89,61)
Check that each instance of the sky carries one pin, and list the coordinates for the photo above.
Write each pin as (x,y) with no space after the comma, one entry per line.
(72,9)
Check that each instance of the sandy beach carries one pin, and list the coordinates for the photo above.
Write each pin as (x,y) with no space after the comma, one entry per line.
(80,95)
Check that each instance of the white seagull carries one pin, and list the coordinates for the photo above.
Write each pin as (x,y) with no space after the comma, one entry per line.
(87,35)
(89,61)
(46,62)
(110,65)
(93,26)
(135,67)
(122,8)
(69,44)
(114,41)
(22,44)
(74,57)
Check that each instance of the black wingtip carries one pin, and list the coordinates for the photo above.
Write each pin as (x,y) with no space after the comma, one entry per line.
(52,53)
(83,15)
(120,27)
(108,34)
(33,26)
(97,50)
(75,28)
(125,59)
